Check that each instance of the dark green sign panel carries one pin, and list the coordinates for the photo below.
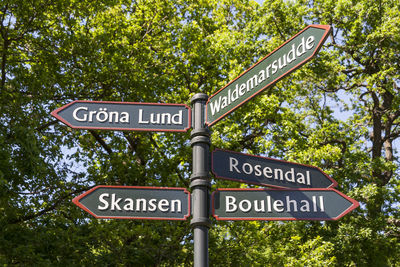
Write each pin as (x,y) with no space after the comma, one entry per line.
(135,202)
(288,57)
(125,116)
(258,170)
(274,204)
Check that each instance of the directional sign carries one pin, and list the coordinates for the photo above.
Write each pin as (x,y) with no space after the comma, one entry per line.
(257,170)
(284,204)
(135,202)
(106,115)
(285,59)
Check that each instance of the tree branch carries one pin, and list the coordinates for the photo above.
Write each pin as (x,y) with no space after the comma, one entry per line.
(133,144)
(101,142)
(44,126)
(45,210)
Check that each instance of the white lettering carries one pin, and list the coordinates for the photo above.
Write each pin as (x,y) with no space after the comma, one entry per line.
(101,199)
(215,106)
(141,204)
(297,49)
(166,118)
(163,205)
(274,66)
(300,178)
(224,102)
(252,82)
(74,114)
(250,168)
(232,164)
(155,119)
(291,201)
(314,201)
(283,63)
(310,42)
(257,171)
(321,203)
(141,120)
(301,49)
(267,70)
(115,202)
(261,76)
(242,203)
(160,118)
(113,114)
(235,93)
(269,204)
(279,172)
(262,206)
(291,56)
(242,89)
(176,204)
(91,115)
(278,205)
(128,204)
(177,118)
(102,115)
(305,207)
(230,204)
(289,175)
(124,117)
(267,171)
(152,204)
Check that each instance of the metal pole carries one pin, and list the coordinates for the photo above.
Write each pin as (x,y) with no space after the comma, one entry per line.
(200,180)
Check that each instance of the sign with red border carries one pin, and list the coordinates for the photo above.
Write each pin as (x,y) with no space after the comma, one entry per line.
(135,202)
(281,204)
(290,56)
(244,168)
(125,116)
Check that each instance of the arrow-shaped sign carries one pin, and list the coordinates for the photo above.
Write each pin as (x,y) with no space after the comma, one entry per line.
(106,115)
(280,204)
(258,170)
(285,59)
(135,202)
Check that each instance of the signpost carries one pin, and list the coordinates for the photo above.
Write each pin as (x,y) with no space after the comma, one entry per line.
(312,199)
(274,204)
(135,202)
(106,115)
(200,181)
(257,170)
(282,61)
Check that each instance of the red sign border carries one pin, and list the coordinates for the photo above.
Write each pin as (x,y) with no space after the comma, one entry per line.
(327,28)
(355,204)
(55,112)
(80,205)
(334,183)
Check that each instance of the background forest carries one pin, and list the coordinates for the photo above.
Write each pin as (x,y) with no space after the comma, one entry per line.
(339,112)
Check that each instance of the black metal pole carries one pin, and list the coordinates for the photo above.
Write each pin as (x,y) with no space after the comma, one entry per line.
(200,180)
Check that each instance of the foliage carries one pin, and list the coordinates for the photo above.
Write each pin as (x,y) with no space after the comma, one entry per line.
(340,112)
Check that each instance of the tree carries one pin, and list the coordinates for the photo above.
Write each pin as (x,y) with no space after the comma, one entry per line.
(53,52)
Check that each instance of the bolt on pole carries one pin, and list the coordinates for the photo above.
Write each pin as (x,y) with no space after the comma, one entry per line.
(200,180)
